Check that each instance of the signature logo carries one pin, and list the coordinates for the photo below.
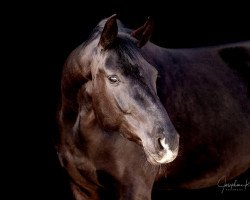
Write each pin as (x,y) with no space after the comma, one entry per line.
(232,186)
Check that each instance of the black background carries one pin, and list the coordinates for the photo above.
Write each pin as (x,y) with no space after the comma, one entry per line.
(40,37)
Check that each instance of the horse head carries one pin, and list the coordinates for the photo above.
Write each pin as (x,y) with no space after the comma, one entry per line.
(121,88)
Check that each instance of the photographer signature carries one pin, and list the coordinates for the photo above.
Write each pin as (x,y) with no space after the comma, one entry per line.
(234,186)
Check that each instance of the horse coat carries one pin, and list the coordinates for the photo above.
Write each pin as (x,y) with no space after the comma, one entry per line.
(133,113)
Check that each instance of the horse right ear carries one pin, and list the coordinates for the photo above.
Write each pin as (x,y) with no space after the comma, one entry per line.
(143,33)
(109,33)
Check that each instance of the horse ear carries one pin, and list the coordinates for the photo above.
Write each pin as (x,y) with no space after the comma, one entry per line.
(109,32)
(143,33)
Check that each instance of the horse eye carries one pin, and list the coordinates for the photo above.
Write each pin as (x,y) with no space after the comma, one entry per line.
(113,79)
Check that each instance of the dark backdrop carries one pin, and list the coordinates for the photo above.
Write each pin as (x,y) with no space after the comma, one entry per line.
(42,36)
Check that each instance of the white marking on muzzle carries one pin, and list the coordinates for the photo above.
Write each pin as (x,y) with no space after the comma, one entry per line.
(169,155)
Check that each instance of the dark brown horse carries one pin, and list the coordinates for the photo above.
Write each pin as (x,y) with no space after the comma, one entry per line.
(125,101)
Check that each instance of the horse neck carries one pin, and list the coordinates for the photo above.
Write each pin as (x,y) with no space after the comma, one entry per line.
(75,76)
(157,56)
(82,116)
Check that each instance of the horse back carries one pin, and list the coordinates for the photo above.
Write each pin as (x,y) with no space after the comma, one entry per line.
(206,94)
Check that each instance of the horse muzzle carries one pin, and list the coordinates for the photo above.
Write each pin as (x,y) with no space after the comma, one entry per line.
(162,152)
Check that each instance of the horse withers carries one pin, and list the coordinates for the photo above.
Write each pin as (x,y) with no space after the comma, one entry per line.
(125,101)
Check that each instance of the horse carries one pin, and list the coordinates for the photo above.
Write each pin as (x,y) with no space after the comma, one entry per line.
(134,114)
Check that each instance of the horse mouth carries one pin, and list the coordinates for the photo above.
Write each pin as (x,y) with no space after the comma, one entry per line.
(163,157)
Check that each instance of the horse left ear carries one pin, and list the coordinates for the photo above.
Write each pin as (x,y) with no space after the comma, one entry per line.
(109,32)
(143,33)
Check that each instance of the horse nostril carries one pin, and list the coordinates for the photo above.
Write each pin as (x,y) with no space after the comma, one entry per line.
(162,143)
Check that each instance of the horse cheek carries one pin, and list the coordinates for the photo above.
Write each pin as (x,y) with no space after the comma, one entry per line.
(106,114)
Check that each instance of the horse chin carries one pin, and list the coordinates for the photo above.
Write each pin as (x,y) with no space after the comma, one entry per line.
(166,157)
